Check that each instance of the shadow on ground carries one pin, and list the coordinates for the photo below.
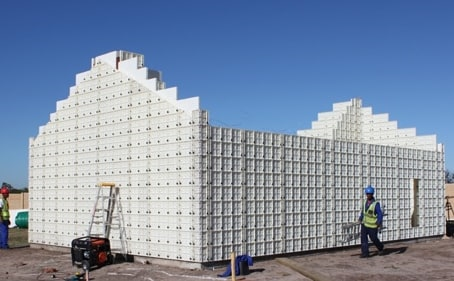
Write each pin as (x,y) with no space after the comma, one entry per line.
(386,251)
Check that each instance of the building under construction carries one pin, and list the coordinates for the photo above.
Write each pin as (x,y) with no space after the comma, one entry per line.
(193,193)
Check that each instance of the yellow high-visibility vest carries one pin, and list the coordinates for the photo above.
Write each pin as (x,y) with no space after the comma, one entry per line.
(5,210)
(370,217)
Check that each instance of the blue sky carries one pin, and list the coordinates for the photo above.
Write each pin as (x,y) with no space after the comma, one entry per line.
(258,65)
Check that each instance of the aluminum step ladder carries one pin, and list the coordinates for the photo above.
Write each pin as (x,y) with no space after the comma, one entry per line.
(107,215)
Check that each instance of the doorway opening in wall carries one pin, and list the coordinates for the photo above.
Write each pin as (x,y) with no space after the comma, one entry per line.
(415,203)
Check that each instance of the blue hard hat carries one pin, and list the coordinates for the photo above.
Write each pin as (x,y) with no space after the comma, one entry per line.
(369,190)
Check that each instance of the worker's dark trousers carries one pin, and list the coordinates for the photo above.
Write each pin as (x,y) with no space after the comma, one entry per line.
(4,234)
(372,233)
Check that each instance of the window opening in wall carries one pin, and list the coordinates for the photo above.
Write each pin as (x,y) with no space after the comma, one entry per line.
(415,203)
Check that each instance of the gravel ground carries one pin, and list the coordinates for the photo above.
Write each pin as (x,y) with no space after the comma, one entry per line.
(422,259)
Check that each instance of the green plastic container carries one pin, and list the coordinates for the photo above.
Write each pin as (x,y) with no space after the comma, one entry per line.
(22,219)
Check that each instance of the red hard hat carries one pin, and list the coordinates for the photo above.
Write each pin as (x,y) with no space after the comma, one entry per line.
(4,190)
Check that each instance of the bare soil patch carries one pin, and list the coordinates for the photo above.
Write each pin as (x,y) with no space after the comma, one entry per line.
(422,259)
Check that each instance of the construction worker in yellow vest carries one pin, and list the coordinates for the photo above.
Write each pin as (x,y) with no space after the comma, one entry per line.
(371,219)
(4,218)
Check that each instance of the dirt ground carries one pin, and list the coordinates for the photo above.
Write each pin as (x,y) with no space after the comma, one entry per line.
(423,259)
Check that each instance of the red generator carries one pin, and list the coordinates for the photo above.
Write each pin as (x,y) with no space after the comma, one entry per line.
(88,252)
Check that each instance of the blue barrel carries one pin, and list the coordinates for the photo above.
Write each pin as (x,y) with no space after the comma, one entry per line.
(22,219)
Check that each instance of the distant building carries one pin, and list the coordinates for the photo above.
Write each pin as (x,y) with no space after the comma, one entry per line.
(192,192)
